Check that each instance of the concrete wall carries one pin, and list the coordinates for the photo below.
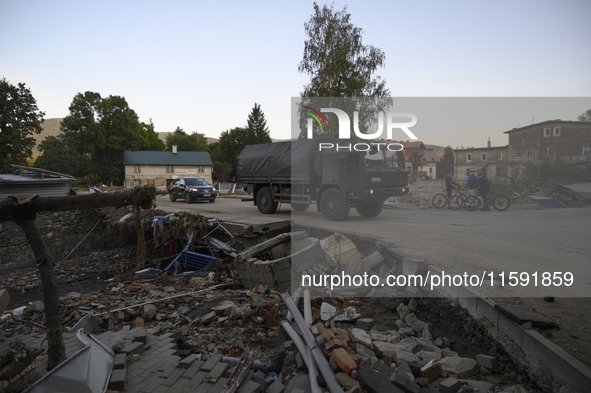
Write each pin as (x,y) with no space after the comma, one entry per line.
(533,141)
(158,174)
(62,231)
(497,168)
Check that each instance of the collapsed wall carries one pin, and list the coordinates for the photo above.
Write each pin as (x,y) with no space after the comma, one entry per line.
(62,231)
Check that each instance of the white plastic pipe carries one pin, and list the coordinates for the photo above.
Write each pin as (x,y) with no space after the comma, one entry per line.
(307,308)
(321,362)
(306,355)
(296,300)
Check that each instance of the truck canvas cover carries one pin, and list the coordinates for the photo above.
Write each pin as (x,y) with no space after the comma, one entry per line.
(279,159)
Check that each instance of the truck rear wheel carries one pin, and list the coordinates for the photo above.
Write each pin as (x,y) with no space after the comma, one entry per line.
(370,210)
(300,207)
(334,205)
(265,202)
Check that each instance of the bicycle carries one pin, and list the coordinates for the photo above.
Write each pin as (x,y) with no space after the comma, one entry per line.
(456,201)
(500,202)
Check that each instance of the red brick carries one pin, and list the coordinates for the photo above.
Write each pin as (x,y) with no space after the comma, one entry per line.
(139,322)
(332,344)
(346,381)
(327,334)
(344,360)
(431,370)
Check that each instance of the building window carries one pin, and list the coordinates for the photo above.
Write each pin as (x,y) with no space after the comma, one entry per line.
(556,131)
(201,169)
(528,152)
(547,132)
(137,182)
(587,150)
(169,169)
(517,153)
(551,151)
(137,169)
(523,135)
(498,171)
(482,156)
(469,157)
(499,156)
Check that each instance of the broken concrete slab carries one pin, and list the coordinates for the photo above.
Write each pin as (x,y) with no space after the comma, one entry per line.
(522,315)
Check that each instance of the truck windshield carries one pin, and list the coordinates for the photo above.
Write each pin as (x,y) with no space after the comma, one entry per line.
(384,159)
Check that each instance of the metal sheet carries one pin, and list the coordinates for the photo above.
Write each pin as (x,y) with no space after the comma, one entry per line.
(87,371)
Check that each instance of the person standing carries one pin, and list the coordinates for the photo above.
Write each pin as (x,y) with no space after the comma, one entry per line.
(449,185)
(472,184)
(484,187)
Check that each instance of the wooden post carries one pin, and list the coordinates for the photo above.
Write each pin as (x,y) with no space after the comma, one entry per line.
(24,212)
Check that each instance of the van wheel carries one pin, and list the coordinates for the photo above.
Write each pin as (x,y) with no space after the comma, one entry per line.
(172,197)
(187,198)
(334,205)
(265,202)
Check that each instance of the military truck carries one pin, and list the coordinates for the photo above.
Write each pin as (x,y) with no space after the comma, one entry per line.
(336,177)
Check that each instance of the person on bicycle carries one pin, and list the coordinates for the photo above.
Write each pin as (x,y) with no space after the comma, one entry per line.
(472,184)
(449,185)
(484,187)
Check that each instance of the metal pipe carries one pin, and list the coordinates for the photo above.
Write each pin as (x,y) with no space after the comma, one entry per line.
(306,355)
(323,366)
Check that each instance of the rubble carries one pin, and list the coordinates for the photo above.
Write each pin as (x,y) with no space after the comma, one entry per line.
(205,325)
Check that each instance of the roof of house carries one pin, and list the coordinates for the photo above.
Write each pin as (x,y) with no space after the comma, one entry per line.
(430,156)
(483,148)
(166,158)
(547,122)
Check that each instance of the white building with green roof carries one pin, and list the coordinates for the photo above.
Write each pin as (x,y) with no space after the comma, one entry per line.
(156,168)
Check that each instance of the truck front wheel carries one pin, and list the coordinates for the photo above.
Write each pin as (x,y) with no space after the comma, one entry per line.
(265,202)
(370,210)
(334,205)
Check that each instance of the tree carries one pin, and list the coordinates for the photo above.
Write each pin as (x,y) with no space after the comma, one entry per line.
(446,164)
(186,142)
(20,118)
(58,155)
(103,128)
(257,126)
(150,140)
(585,116)
(340,65)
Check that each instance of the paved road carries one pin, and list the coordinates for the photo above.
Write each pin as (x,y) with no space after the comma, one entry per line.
(549,240)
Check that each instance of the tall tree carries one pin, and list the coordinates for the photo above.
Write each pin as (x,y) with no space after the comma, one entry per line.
(20,118)
(585,116)
(186,142)
(446,164)
(257,126)
(340,65)
(58,155)
(103,128)
(150,140)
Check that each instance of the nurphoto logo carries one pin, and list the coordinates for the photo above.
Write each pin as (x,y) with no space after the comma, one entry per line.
(391,120)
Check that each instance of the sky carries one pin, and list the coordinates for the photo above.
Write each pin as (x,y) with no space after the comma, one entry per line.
(201,66)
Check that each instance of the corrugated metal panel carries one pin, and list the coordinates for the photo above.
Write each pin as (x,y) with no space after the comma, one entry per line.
(166,158)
